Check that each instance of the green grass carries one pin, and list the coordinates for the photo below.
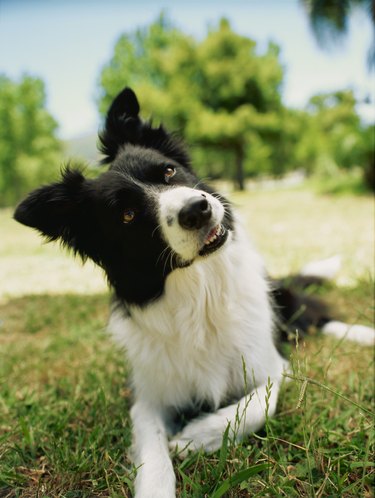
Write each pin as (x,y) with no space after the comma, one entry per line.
(64,400)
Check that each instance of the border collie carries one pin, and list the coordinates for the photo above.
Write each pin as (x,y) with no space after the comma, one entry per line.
(192,303)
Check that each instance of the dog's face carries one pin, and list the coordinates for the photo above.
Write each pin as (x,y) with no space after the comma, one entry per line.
(144,217)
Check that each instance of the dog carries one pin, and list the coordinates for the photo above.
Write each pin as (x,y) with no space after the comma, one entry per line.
(192,305)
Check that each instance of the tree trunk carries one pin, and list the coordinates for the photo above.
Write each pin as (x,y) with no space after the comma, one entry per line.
(240,174)
(369,174)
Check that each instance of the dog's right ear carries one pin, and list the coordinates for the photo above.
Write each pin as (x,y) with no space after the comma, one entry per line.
(122,124)
(57,210)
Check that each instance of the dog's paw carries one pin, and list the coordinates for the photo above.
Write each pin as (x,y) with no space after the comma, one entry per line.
(203,434)
(148,491)
(357,333)
(151,489)
(155,482)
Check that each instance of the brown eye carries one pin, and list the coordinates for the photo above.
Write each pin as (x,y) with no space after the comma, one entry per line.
(128,216)
(169,172)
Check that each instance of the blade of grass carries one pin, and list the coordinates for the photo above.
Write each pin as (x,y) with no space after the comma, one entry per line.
(237,478)
(331,390)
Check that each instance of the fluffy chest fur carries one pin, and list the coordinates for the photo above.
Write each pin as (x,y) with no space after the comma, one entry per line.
(213,323)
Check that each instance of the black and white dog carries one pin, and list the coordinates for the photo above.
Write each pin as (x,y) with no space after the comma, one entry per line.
(192,303)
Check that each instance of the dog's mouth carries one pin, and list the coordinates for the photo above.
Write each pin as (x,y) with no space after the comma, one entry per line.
(215,238)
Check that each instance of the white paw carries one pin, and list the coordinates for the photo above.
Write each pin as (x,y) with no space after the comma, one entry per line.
(357,333)
(324,268)
(146,492)
(204,434)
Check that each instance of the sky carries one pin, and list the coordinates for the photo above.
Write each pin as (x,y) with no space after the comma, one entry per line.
(67,42)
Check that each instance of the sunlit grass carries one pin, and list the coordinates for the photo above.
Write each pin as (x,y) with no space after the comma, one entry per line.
(293,227)
(64,398)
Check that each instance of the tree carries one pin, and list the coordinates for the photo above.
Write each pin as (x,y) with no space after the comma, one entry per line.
(239,95)
(225,99)
(368,155)
(335,138)
(329,20)
(219,93)
(28,145)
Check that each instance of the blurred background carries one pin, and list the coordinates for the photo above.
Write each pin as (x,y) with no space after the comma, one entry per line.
(269,95)
(276,101)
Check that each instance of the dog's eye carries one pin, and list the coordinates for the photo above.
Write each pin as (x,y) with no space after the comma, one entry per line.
(169,172)
(128,216)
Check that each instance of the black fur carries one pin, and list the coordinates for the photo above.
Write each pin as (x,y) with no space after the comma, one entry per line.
(296,310)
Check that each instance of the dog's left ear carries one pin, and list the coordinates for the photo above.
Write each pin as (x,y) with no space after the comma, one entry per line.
(123,126)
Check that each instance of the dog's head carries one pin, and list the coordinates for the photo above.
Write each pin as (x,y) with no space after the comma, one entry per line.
(144,217)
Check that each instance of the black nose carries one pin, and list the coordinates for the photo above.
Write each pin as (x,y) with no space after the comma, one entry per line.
(195,214)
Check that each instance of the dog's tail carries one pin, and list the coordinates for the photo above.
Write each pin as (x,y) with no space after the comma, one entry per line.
(299,312)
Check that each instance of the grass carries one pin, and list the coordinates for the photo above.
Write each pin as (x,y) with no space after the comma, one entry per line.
(64,424)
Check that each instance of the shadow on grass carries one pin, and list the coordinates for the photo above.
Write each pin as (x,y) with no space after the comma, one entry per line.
(42,313)
(63,398)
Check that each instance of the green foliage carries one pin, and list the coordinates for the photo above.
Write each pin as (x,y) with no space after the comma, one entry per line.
(335,138)
(28,147)
(225,98)
(219,92)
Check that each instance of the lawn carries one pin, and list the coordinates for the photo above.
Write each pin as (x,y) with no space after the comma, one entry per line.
(64,424)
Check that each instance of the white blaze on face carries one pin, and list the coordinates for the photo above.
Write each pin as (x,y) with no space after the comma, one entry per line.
(186,243)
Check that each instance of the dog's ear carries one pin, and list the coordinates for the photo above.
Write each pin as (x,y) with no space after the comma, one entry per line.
(125,104)
(123,126)
(57,210)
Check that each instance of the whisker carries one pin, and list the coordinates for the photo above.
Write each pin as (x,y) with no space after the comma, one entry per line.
(162,254)
(154,230)
(202,180)
(172,258)
(166,261)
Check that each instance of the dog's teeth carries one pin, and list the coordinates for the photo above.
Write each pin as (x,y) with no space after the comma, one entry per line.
(219,231)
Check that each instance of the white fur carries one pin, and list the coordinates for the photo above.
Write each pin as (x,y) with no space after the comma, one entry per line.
(357,333)
(324,268)
(213,322)
(193,339)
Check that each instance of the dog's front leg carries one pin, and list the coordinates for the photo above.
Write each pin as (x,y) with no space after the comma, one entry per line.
(155,476)
(246,416)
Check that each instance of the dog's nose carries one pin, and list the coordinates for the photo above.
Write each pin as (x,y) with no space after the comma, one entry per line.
(195,214)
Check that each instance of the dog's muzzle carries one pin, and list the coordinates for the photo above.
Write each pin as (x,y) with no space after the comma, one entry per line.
(191,222)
